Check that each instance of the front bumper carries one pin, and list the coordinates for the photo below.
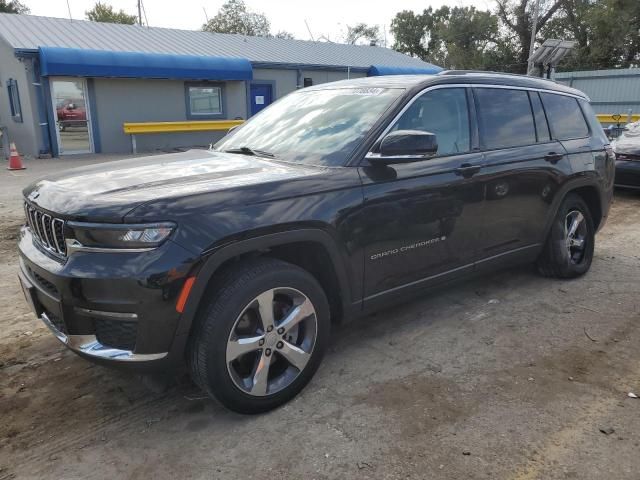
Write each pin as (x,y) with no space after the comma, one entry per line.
(627,173)
(112,308)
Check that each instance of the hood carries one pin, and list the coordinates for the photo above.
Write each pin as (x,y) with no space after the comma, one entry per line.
(108,191)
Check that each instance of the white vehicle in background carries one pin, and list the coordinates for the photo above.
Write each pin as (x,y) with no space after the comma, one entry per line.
(627,150)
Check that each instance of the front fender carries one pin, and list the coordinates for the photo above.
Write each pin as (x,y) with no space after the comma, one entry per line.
(212,262)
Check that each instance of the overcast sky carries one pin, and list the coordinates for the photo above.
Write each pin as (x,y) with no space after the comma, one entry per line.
(325,17)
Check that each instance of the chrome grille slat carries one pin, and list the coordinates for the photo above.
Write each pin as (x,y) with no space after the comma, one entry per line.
(47,230)
(59,243)
(45,234)
(37,217)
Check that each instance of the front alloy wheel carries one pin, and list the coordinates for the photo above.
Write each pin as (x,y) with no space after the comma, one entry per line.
(271,341)
(260,336)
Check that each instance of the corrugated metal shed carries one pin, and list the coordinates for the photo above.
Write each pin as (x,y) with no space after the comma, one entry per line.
(28,32)
(611,91)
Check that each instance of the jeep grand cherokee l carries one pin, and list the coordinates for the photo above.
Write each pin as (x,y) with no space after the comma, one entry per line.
(335,201)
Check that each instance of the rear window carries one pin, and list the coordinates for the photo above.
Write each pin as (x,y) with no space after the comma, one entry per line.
(505,118)
(565,117)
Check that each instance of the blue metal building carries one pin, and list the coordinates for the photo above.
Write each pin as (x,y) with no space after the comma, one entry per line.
(612,92)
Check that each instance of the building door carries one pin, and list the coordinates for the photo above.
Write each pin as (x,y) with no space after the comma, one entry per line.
(72,116)
(261,95)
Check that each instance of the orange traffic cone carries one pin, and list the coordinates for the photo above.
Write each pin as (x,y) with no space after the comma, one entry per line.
(15,162)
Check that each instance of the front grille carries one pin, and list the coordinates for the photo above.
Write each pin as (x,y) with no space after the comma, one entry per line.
(48,230)
(116,333)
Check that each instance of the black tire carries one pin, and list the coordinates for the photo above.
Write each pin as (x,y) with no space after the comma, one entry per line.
(556,259)
(229,297)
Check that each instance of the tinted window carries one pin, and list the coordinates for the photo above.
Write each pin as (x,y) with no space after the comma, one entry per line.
(505,118)
(320,127)
(565,117)
(443,112)
(542,128)
(592,120)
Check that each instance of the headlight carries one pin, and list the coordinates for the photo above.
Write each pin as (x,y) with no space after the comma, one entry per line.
(101,235)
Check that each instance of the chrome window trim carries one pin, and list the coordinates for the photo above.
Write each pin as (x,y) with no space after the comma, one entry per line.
(378,155)
(460,85)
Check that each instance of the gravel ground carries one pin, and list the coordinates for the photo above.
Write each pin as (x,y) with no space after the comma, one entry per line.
(509,376)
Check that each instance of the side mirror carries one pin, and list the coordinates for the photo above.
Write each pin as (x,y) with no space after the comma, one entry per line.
(404,146)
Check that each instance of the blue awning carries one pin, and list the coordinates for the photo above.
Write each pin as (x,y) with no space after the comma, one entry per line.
(102,63)
(428,69)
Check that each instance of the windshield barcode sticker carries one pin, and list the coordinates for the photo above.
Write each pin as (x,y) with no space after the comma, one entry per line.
(367,92)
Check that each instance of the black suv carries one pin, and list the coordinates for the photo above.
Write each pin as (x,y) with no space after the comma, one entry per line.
(333,202)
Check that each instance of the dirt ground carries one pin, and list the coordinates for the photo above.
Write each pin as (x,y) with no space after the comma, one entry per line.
(509,376)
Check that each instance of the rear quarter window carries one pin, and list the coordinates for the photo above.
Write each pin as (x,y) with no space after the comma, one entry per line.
(592,120)
(565,116)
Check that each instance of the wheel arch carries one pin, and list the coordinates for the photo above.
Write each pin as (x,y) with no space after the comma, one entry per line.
(589,190)
(312,249)
(590,195)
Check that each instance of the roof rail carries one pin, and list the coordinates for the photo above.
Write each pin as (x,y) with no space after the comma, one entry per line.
(481,72)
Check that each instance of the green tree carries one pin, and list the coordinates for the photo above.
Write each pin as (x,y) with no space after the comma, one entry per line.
(14,6)
(516,18)
(607,33)
(463,36)
(235,17)
(458,37)
(283,34)
(410,31)
(102,12)
(362,31)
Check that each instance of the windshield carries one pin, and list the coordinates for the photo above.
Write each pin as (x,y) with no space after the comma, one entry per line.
(319,127)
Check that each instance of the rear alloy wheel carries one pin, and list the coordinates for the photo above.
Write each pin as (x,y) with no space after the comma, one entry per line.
(568,251)
(575,235)
(262,335)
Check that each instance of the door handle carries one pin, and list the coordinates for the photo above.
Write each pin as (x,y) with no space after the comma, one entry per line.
(467,170)
(553,157)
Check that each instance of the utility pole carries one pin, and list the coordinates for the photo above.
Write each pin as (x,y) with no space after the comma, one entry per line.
(140,12)
(534,26)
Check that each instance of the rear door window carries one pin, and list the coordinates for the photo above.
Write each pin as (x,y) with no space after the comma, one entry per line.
(505,118)
(445,113)
(565,117)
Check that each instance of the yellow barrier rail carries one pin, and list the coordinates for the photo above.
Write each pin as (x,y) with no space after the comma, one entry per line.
(622,118)
(190,126)
(139,128)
